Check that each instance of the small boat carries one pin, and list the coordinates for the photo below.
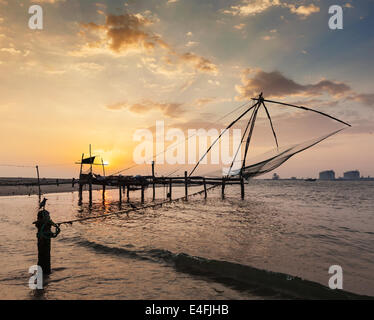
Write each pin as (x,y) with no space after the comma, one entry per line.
(310,179)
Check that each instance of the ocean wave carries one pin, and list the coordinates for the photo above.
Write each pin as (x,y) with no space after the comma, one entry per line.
(238,275)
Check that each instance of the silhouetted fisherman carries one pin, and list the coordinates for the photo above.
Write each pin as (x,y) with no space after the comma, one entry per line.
(43,203)
(44,235)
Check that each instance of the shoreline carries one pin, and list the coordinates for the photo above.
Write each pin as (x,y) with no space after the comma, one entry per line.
(28,187)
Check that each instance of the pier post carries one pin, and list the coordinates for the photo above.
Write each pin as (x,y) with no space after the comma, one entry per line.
(120,194)
(170,189)
(90,189)
(205,192)
(128,193)
(44,235)
(142,193)
(242,187)
(223,188)
(185,185)
(153,182)
(80,193)
(90,179)
(39,191)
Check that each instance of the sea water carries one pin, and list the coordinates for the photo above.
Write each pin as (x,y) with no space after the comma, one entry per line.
(299,228)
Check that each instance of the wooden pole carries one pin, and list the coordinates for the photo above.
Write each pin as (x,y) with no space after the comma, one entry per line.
(205,192)
(185,185)
(90,191)
(44,244)
(39,191)
(120,194)
(128,193)
(80,192)
(242,187)
(102,162)
(103,192)
(153,182)
(142,193)
(90,180)
(80,171)
(170,189)
(80,182)
(223,188)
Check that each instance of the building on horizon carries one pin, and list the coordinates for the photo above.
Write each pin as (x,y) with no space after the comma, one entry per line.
(327,175)
(275,177)
(352,175)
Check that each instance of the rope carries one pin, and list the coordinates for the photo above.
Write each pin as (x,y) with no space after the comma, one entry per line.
(134,209)
(174,145)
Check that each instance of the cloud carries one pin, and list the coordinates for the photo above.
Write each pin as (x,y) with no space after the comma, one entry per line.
(239,26)
(363,98)
(100,5)
(254,7)
(304,11)
(11,51)
(46,1)
(275,84)
(87,67)
(124,32)
(192,43)
(200,63)
(128,32)
(171,110)
(204,101)
(187,84)
(214,82)
(267,38)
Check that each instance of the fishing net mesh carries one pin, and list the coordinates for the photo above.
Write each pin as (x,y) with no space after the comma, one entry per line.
(273,159)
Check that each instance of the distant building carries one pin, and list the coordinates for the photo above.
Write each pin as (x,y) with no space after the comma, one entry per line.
(327,175)
(352,175)
(275,177)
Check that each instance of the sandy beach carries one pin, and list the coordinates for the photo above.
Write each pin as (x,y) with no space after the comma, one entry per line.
(27,186)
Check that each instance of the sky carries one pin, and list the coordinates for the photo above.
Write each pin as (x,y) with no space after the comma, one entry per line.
(100,70)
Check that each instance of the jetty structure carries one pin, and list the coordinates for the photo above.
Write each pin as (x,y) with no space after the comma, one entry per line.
(128,183)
